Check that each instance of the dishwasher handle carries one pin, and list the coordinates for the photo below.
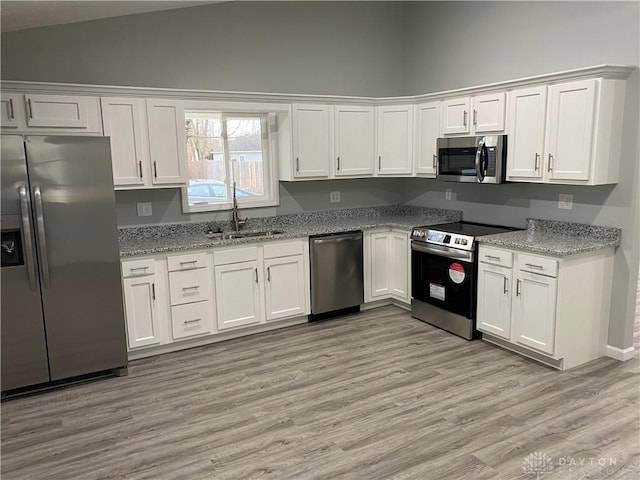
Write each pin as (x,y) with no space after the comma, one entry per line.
(335,238)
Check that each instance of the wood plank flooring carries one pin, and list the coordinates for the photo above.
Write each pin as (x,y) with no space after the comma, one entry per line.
(375,395)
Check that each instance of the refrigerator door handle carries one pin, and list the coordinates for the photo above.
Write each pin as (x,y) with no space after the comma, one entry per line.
(28,236)
(42,239)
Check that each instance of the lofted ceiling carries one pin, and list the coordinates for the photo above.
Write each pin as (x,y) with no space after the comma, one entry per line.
(23,14)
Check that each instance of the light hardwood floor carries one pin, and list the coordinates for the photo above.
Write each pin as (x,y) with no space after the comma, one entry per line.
(375,395)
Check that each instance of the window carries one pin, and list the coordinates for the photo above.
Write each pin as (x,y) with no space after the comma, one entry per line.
(227,149)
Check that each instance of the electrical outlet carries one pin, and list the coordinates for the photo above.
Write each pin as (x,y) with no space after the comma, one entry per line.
(565,201)
(334,197)
(144,209)
(447,194)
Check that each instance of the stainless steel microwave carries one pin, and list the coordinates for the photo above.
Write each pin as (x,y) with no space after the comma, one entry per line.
(472,159)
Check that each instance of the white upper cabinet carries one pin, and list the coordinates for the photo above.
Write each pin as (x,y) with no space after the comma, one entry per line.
(427,133)
(167,141)
(311,148)
(566,133)
(148,141)
(51,114)
(455,116)
(570,130)
(527,109)
(394,140)
(487,113)
(473,115)
(354,140)
(124,121)
(9,113)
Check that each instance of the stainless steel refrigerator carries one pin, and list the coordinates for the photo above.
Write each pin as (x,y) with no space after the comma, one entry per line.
(61,304)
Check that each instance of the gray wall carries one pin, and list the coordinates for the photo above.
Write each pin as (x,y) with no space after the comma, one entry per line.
(295,197)
(346,48)
(461,44)
(445,46)
(366,48)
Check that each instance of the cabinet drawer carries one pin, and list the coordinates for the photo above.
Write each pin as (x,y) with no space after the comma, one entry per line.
(189,286)
(137,268)
(187,262)
(275,250)
(495,256)
(235,255)
(535,264)
(191,319)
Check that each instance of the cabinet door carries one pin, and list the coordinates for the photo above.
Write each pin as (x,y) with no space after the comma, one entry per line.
(535,311)
(570,130)
(488,113)
(428,131)
(525,130)
(123,121)
(141,311)
(167,141)
(238,295)
(354,140)
(395,140)
(58,111)
(494,300)
(398,265)
(310,140)
(379,278)
(285,287)
(455,116)
(10,109)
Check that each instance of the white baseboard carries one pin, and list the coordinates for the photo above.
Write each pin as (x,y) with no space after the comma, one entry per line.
(621,354)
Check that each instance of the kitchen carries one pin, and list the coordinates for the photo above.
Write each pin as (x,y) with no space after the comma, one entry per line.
(405,40)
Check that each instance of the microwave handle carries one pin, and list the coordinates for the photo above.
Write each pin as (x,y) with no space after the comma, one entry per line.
(479,151)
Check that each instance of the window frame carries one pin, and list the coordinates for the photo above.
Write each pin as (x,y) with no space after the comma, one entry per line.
(269,111)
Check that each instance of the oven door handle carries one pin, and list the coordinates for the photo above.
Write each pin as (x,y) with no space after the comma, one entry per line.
(447,252)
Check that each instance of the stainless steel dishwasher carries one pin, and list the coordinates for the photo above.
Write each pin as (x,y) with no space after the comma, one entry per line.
(336,274)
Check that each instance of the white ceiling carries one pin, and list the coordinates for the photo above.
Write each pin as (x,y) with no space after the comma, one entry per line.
(21,14)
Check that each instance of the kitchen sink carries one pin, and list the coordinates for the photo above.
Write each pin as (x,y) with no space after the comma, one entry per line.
(232,235)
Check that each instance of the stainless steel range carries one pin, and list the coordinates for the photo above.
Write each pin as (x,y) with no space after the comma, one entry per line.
(444,274)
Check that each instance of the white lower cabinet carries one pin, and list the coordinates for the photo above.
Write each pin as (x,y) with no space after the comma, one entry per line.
(141,303)
(238,294)
(179,301)
(555,310)
(259,284)
(285,287)
(190,293)
(386,265)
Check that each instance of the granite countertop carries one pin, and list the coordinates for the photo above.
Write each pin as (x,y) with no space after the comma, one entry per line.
(192,236)
(556,238)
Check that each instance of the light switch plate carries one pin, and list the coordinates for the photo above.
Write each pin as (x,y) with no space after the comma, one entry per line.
(447,194)
(334,197)
(144,209)
(565,201)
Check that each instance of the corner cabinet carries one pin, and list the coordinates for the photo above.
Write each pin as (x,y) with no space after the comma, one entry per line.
(426,137)
(386,267)
(394,140)
(566,133)
(554,310)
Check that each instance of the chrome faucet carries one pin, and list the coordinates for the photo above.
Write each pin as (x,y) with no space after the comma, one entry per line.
(238,222)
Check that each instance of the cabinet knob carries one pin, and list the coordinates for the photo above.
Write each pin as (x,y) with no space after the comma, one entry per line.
(550,165)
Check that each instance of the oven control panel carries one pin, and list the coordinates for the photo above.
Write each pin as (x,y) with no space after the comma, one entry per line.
(453,240)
